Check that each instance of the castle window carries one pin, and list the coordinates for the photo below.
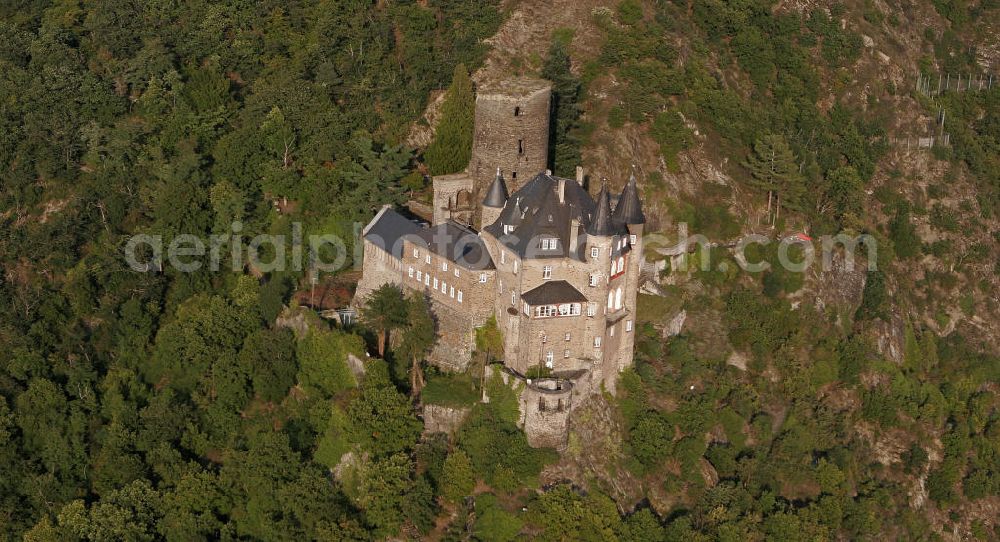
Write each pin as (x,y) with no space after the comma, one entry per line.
(517,111)
(427,258)
(444,266)
(549,360)
(565,353)
(460,296)
(515,266)
(513,298)
(628,325)
(550,244)
(410,271)
(444,287)
(632,240)
(597,342)
(416,253)
(503,257)
(520,146)
(621,264)
(456,271)
(427,280)
(547,272)
(451,291)
(594,278)
(591,309)
(513,175)
(595,252)
(435,283)
(618,299)
(482,277)
(612,332)
(525,308)
(567,336)
(545,337)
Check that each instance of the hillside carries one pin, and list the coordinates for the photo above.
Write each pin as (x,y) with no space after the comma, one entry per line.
(204,402)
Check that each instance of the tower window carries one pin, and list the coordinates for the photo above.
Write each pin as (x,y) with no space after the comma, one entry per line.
(517,111)
(520,146)
(482,277)
(513,175)
(594,252)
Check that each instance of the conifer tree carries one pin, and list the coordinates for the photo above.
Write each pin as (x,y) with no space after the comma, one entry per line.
(773,168)
(451,149)
(564,146)
(418,338)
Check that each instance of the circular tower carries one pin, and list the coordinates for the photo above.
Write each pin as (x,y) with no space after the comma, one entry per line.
(511,132)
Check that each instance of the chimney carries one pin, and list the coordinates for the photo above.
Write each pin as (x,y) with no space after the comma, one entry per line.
(562,190)
(574,233)
(579,175)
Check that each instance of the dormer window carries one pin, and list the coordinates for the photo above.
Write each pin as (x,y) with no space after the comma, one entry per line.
(550,244)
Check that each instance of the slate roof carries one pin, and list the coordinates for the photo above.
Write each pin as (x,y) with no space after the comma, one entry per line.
(457,243)
(601,223)
(535,212)
(387,230)
(496,196)
(628,210)
(553,293)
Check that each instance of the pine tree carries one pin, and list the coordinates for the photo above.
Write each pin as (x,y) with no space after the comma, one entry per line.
(773,168)
(451,149)
(384,310)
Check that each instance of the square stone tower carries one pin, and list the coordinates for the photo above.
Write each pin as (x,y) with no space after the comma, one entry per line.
(511,133)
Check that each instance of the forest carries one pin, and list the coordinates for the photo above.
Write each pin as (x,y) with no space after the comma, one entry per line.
(169,405)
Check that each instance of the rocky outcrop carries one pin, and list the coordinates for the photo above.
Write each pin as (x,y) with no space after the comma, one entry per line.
(443,419)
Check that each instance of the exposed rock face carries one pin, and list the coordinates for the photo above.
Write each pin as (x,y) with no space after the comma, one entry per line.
(675,325)
(443,419)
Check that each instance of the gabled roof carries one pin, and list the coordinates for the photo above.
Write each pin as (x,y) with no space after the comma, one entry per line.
(535,212)
(450,240)
(553,293)
(628,210)
(388,229)
(458,244)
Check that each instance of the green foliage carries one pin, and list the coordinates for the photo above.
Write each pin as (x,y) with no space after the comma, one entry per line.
(382,420)
(456,390)
(384,310)
(452,146)
(564,143)
(669,131)
(322,356)
(457,477)
(873,297)
(498,450)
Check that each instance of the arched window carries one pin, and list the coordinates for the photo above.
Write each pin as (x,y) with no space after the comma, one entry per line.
(611,299)
(618,299)
(621,264)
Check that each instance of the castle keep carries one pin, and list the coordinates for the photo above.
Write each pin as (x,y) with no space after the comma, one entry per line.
(556,267)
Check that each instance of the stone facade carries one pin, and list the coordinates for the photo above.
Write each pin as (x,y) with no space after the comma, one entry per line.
(511,133)
(557,268)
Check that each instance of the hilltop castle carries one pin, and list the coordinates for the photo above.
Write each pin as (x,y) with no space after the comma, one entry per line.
(557,268)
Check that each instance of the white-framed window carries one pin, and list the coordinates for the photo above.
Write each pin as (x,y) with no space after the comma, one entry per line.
(526,308)
(547,272)
(444,287)
(567,336)
(595,252)
(482,278)
(628,325)
(513,298)
(611,298)
(515,266)
(503,257)
(550,243)
(632,239)
(545,337)
(416,253)
(565,353)
(444,266)
(621,264)
(451,291)
(591,309)
(456,271)
(614,265)
(597,342)
(410,272)
(612,331)
(435,283)
(566,309)
(427,280)
(618,298)
(459,296)
(549,359)
(427,258)
(594,279)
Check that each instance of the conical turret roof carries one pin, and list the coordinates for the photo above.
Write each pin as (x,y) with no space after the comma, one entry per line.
(601,223)
(496,196)
(628,210)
